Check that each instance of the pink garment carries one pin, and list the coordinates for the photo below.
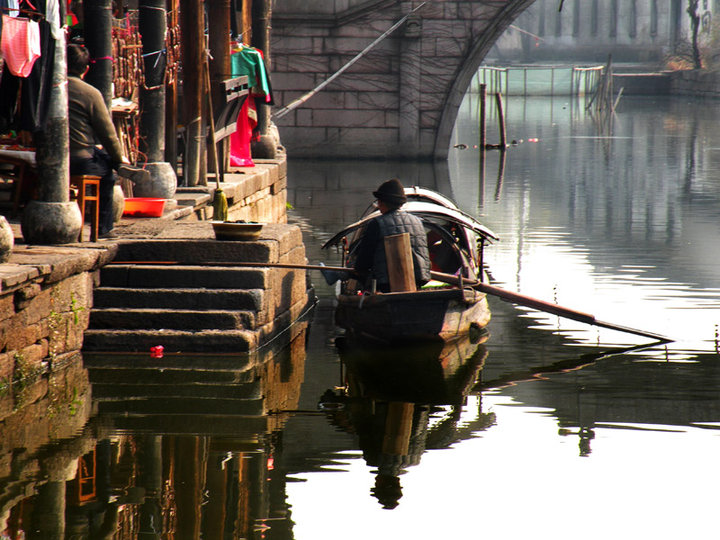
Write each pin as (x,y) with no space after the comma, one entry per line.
(20,44)
(241,137)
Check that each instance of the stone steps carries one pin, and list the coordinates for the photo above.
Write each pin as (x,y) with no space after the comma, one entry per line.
(155,376)
(184,294)
(173,319)
(199,298)
(181,405)
(150,276)
(202,340)
(110,391)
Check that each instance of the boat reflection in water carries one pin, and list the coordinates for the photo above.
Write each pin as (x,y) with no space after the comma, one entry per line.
(402,401)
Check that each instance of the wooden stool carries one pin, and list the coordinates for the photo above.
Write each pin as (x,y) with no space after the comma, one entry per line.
(14,173)
(88,187)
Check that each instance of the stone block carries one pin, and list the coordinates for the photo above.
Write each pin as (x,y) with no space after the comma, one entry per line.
(291,44)
(430,119)
(6,367)
(272,171)
(364,83)
(58,265)
(25,294)
(451,46)
(450,11)
(304,117)
(13,274)
(373,63)
(7,306)
(377,100)
(349,118)
(305,63)
(294,81)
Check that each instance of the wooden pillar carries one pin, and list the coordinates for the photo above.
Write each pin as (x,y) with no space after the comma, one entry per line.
(193,51)
(219,41)
(188,453)
(48,514)
(171,99)
(153,27)
(98,40)
(266,147)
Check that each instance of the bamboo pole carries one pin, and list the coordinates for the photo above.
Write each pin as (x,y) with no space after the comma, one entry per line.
(501,120)
(509,296)
(483,112)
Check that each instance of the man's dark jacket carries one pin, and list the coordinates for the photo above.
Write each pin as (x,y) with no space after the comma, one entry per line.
(371,261)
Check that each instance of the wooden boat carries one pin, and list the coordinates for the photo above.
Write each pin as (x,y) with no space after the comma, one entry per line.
(438,311)
(438,373)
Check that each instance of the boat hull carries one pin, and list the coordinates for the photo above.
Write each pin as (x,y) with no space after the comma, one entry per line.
(426,315)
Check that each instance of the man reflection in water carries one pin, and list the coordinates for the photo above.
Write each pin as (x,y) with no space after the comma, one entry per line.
(387,490)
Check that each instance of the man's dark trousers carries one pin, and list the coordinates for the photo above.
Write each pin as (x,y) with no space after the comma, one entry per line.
(99,165)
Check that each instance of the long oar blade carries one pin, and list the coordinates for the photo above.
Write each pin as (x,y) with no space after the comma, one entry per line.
(547,307)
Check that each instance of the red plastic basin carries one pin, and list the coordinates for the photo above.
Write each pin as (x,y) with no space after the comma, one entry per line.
(143,207)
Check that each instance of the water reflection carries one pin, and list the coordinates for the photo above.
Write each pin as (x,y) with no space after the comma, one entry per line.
(177,446)
(392,402)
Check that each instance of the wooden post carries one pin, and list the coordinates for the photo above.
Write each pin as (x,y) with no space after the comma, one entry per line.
(153,27)
(501,120)
(219,12)
(171,99)
(398,254)
(193,60)
(98,40)
(483,97)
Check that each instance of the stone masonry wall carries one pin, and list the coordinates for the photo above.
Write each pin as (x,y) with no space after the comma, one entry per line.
(45,301)
(697,83)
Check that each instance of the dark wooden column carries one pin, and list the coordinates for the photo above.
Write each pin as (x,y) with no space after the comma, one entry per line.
(153,26)
(98,40)
(261,15)
(191,21)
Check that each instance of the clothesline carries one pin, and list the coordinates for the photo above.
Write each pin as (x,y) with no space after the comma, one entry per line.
(22,10)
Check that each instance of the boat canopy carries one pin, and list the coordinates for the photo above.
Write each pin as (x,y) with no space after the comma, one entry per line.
(427,211)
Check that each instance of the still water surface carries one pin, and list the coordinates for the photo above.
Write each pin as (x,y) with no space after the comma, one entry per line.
(549,429)
(560,438)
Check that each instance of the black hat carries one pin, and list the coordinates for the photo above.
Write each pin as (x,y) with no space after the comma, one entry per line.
(391,191)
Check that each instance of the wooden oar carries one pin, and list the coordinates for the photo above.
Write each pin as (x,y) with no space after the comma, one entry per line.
(548,307)
(508,296)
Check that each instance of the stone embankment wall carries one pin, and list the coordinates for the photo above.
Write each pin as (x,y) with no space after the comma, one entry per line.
(45,301)
(698,83)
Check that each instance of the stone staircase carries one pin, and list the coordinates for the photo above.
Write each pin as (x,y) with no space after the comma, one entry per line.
(184,294)
(223,395)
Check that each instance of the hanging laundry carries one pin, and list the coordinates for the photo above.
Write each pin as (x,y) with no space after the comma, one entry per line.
(248,61)
(24,100)
(52,15)
(242,136)
(20,44)
(9,7)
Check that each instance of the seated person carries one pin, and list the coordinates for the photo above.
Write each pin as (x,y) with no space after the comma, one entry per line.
(90,122)
(370,261)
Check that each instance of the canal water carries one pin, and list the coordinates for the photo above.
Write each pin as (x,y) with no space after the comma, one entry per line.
(548,429)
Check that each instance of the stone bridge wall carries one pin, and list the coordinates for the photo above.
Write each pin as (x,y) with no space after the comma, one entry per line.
(401,99)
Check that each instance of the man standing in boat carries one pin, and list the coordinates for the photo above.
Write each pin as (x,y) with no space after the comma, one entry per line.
(370,260)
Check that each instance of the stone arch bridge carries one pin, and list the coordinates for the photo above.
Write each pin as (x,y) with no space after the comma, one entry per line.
(401,99)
